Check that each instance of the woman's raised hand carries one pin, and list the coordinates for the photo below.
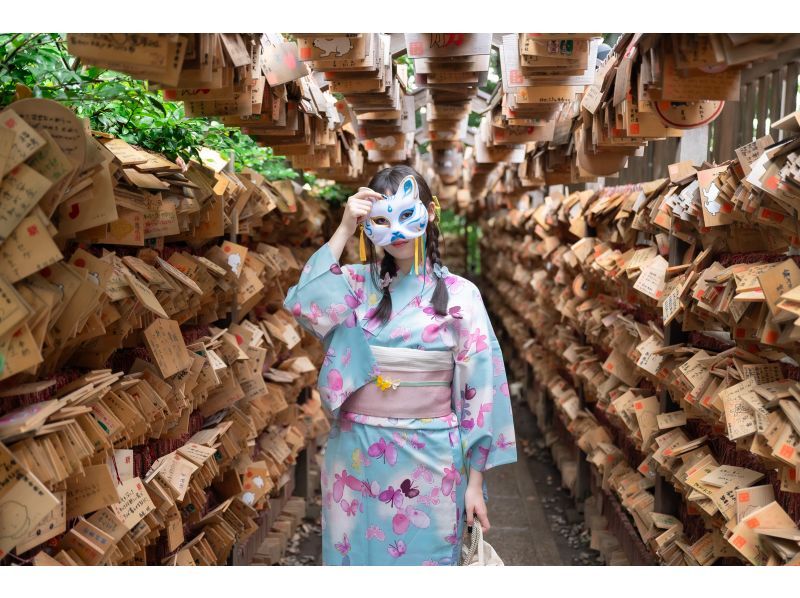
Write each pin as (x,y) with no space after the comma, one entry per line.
(357,208)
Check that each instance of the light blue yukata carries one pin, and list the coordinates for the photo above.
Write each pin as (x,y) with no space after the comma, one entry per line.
(393,488)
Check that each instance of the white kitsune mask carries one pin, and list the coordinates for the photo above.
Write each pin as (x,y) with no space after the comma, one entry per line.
(397,217)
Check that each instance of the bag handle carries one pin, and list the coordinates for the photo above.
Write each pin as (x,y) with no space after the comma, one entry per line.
(476,543)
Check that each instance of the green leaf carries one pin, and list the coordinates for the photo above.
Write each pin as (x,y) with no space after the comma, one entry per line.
(158,105)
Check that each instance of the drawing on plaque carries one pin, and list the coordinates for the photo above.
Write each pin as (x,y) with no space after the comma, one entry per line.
(712,205)
(329,45)
(14,520)
(235,262)
(384,143)
(442,40)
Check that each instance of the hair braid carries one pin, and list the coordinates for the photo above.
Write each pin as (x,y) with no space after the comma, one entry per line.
(384,310)
(440,297)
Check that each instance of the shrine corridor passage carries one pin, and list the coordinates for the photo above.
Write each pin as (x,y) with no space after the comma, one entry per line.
(534,520)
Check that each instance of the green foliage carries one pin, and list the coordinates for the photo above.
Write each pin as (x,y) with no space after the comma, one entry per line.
(451,222)
(330,191)
(491,84)
(474,119)
(474,234)
(409,62)
(123,106)
(494,72)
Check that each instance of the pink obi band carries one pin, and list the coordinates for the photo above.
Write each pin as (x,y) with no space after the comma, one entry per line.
(411,383)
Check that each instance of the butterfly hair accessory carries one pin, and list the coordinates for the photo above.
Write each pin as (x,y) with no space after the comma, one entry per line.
(440,271)
(386,281)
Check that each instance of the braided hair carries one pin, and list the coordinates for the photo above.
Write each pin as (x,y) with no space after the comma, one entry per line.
(389,179)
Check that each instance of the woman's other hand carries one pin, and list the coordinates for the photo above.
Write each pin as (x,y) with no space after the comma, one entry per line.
(474,505)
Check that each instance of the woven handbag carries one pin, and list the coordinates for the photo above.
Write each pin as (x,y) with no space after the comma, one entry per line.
(479,552)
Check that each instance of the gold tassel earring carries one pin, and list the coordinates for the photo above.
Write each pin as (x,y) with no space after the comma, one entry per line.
(362,246)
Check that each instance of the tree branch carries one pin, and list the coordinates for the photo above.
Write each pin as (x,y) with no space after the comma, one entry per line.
(7,63)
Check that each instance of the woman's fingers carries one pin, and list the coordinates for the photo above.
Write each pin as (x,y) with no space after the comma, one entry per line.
(367,193)
(360,214)
(483,517)
(361,204)
(360,208)
(470,516)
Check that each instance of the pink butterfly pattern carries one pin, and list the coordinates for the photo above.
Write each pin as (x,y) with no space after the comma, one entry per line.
(352,507)
(451,538)
(403,519)
(432,332)
(344,546)
(423,472)
(484,408)
(450,479)
(339,485)
(477,339)
(315,313)
(371,489)
(497,362)
(454,284)
(385,450)
(375,532)
(334,389)
(431,499)
(334,311)
(484,454)
(416,442)
(502,443)
(392,496)
(401,332)
(430,311)
(397,549)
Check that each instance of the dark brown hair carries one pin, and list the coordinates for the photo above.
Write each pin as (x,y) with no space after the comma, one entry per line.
(387,181)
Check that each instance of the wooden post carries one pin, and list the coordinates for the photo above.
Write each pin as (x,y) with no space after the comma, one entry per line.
(583,482)
(233,237)
(693,146)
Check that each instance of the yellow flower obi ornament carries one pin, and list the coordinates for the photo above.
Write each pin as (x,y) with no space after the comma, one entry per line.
(385,383)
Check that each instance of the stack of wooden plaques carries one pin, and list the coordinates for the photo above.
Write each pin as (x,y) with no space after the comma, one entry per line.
(253,81)
(150,375)
(449,67)
(361,68)
(579,119)
(715,411)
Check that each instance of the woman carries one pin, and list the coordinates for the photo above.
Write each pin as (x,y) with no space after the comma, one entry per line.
(414,379)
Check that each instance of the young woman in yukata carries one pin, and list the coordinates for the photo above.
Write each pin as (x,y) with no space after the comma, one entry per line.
(413,377)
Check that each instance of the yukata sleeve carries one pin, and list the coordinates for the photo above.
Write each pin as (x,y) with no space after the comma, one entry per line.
(481,395)
(324,296)
(324,302)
